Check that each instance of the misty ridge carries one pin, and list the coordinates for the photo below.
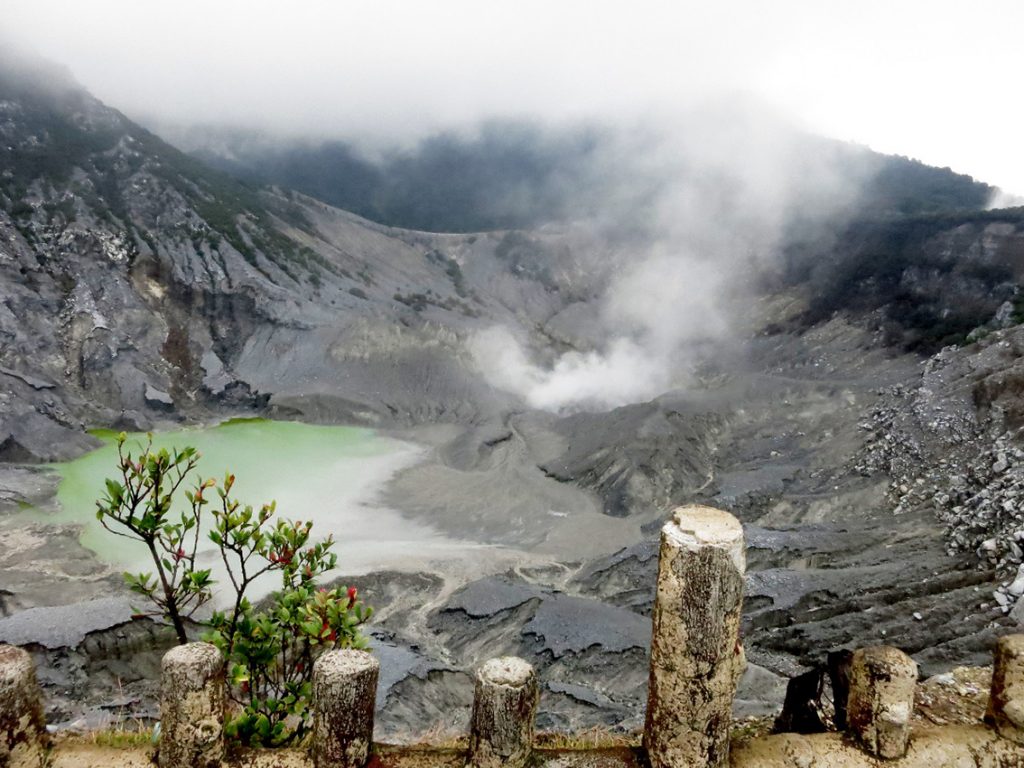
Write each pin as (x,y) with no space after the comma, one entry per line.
(680,222)
(691,215)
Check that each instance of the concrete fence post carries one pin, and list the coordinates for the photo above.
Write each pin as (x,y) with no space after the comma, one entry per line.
(696,655)
(504,710)
(191,707)
(881,699)
(1006,698)
(344,699)
(23,736)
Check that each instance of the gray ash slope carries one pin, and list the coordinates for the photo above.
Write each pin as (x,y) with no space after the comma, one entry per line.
(139,281)
(140,287)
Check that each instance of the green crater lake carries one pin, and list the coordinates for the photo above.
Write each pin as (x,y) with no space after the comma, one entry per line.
(330,475)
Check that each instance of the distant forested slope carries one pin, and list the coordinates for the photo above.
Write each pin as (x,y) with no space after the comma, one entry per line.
(509,175)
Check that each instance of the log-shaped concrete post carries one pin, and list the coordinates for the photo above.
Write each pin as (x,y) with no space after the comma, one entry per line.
(696,655)
(1006,698)
(344,699)
(191,707)
(881,699)
(22,727)
(504,710)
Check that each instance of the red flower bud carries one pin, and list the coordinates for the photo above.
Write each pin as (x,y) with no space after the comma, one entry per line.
(351,596)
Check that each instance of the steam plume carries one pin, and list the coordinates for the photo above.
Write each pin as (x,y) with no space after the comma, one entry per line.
(732,183)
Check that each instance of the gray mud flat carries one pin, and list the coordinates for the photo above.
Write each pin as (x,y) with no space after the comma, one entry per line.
(556,577)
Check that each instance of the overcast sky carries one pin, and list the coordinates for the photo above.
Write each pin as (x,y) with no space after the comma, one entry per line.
(934,79)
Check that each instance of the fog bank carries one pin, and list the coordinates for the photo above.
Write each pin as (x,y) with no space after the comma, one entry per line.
(924,78)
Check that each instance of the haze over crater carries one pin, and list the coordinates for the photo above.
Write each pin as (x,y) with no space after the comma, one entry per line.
(915,78)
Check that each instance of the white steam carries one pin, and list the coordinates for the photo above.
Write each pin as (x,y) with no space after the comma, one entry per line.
(624,372)
(732,183)
(1003,199)
(665,307)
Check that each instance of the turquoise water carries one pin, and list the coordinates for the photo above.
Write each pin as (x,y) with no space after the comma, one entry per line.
(330,475)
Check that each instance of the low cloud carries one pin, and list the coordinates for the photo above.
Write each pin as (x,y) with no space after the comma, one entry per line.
(877,72)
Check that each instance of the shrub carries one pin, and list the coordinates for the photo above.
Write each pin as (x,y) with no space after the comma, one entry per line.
(269,649)
(140,504)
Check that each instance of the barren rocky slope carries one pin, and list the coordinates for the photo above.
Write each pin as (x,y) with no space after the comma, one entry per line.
(139,288)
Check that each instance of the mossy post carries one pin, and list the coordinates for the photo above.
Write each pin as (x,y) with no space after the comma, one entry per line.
(696,655)
(504,711)
(1006,698)
(344,699)
(191,707)
(881,699)
(22,727)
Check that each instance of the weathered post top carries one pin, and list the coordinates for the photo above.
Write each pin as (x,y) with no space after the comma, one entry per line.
(337,666)
(696,655)
(190,666)
(694,526)
(507,670)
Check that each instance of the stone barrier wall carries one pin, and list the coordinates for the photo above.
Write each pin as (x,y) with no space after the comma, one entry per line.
(696,661)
